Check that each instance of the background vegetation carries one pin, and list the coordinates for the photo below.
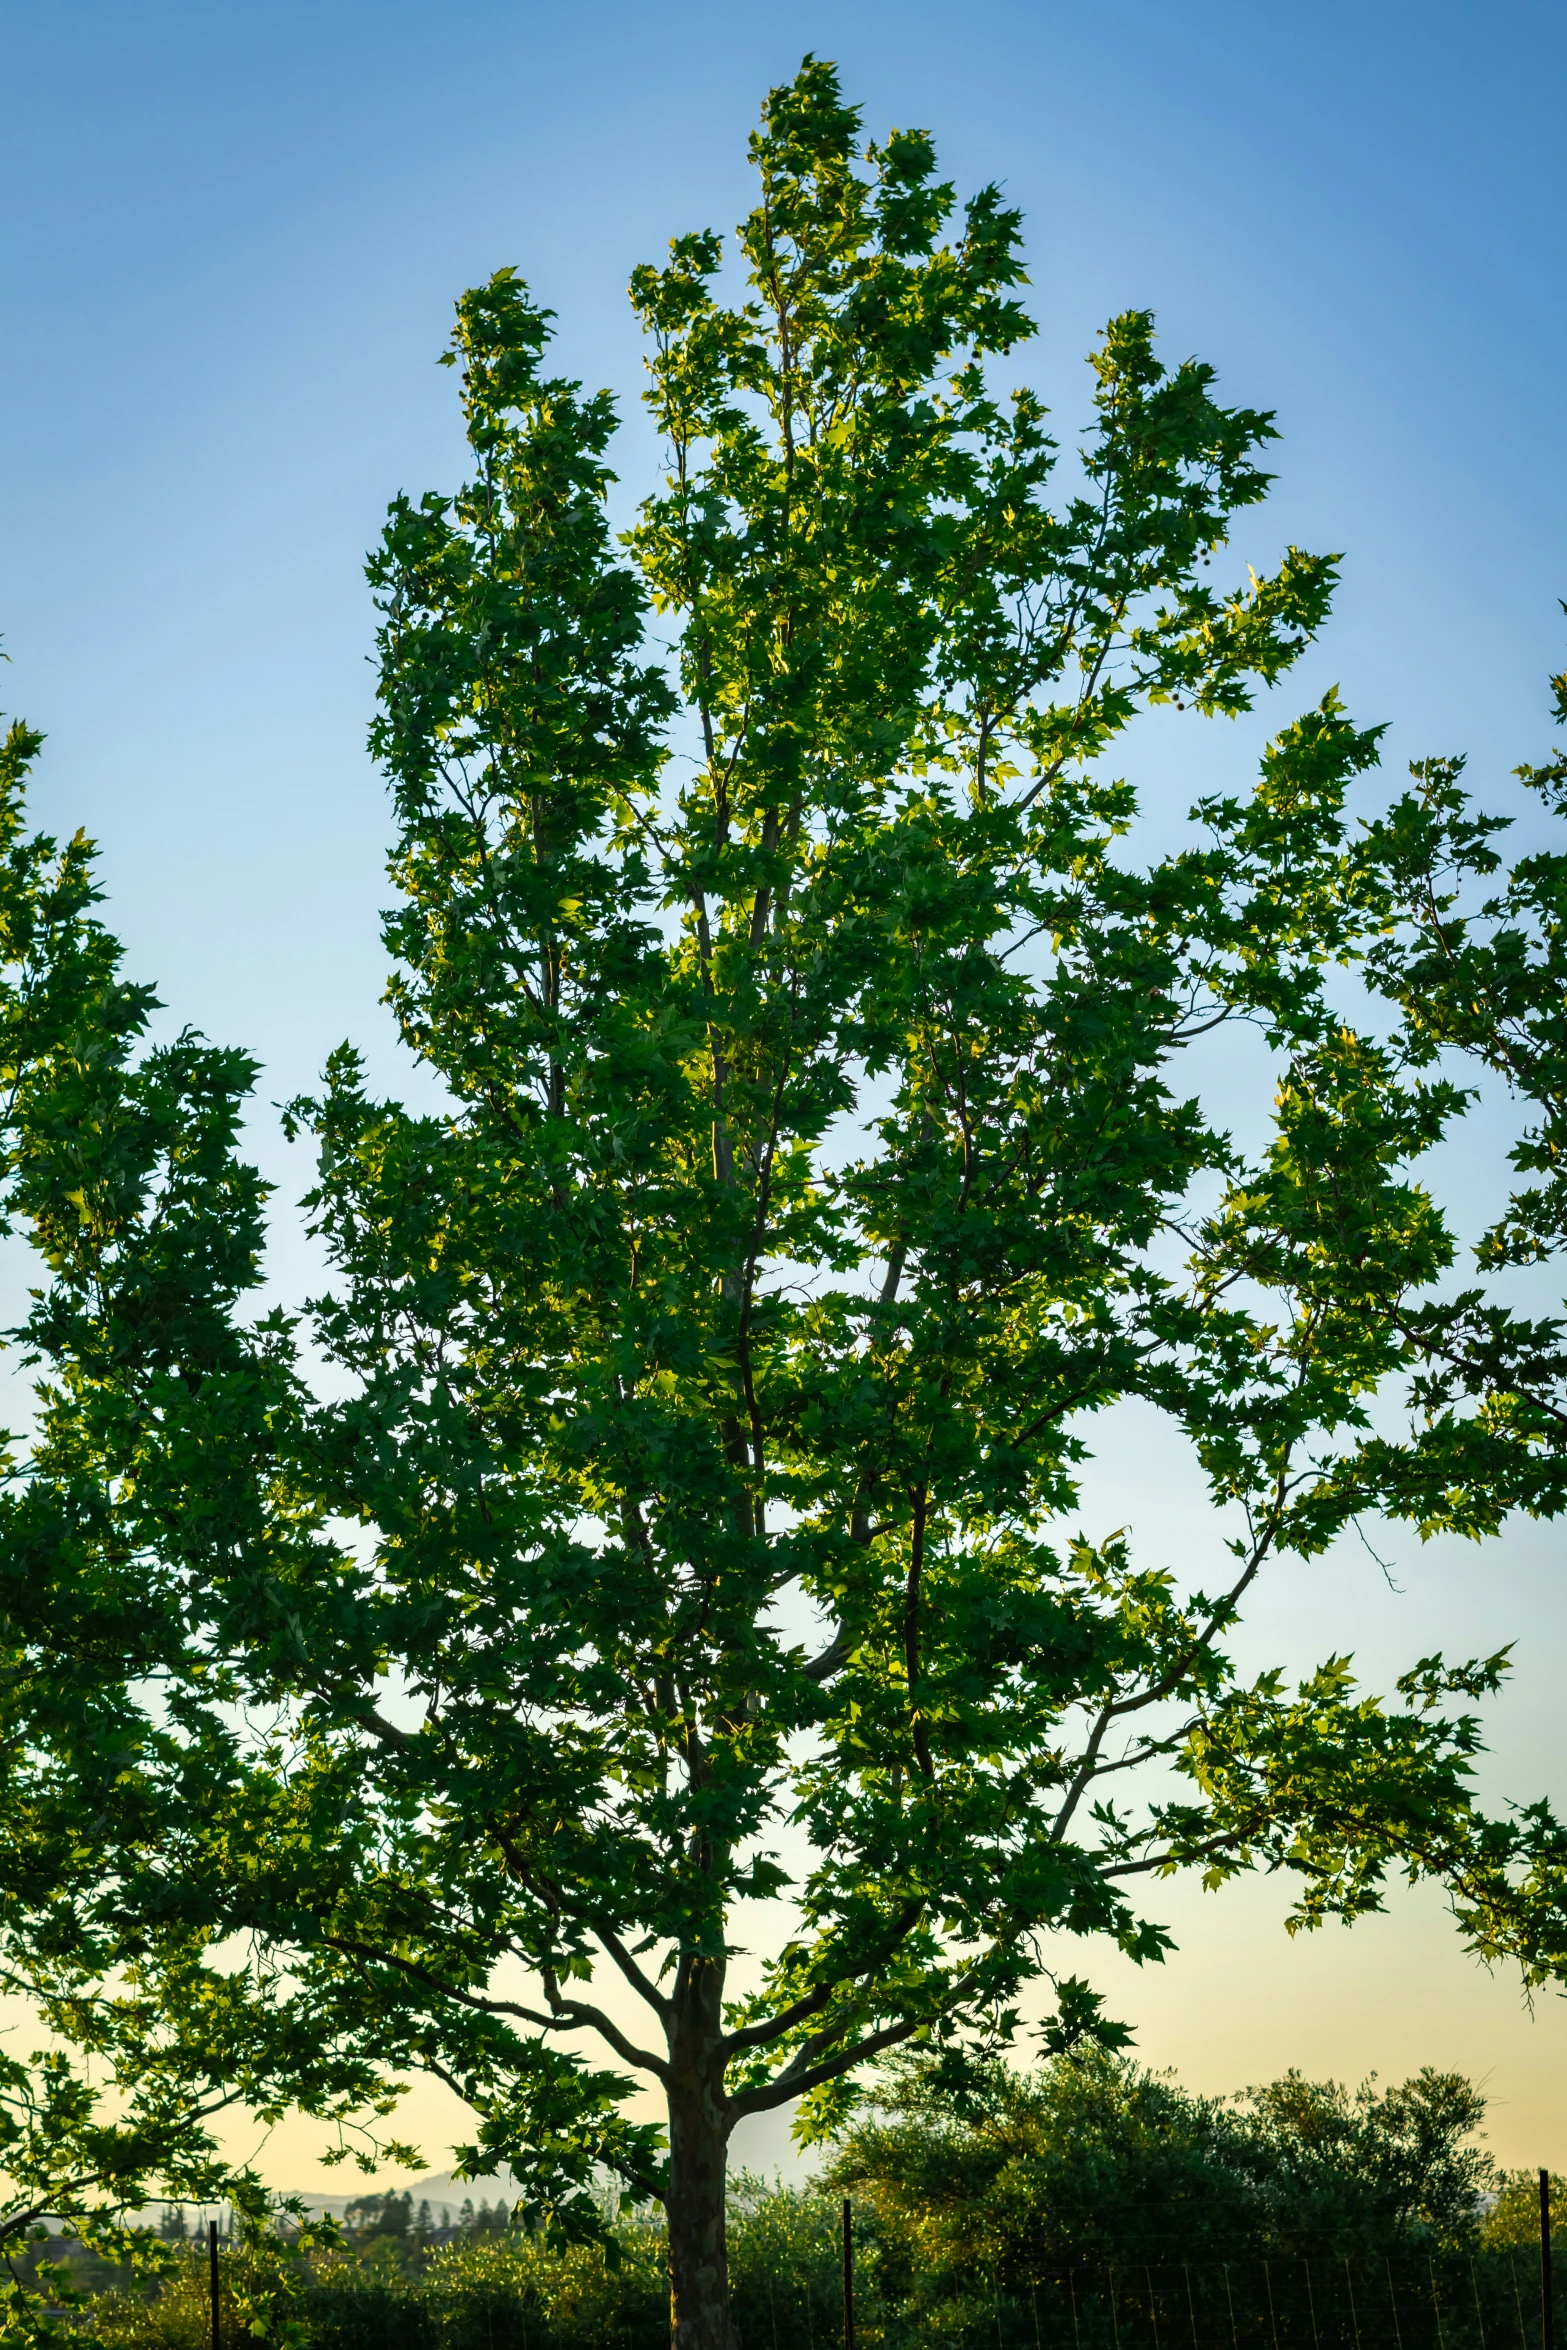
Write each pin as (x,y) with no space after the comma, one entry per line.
(1091,2201)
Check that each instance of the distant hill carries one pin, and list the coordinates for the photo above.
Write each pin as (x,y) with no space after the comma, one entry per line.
(438,2188)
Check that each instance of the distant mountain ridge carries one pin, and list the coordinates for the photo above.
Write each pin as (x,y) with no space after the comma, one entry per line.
(438,2188)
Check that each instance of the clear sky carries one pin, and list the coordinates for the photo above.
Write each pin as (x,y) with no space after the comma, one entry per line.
(234,232)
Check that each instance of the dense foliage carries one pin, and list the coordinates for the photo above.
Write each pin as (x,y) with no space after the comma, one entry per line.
(1020,2175)
(672,1503)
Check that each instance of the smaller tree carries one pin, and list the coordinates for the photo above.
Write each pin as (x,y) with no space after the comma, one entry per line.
(1513,2220)
(1365,2170)
(988,2173)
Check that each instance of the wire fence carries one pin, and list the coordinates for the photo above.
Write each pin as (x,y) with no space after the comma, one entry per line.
(787,2286)
(1490,2301)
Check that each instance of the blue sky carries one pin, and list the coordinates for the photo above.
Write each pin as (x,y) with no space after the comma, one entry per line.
(234,236)
(236,232)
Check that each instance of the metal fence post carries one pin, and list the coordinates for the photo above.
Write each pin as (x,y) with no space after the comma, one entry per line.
(848,2275)
(1547,2324)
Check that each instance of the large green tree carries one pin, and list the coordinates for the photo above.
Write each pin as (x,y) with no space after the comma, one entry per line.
(671,1505)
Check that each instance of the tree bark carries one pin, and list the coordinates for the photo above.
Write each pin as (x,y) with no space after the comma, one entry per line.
(698,2154)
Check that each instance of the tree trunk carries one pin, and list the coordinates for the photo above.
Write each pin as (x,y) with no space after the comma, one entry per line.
(698,2260)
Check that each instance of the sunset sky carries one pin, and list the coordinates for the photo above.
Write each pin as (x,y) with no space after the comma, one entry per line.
(234,235)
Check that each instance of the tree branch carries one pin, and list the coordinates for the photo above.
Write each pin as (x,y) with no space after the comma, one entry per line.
(790,2084)
(566,2014)
(832,1659)
(812,2002)
(628,1966)
(1174,1860)
(774,2027)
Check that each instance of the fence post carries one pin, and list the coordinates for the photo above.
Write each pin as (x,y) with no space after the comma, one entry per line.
(848,2275)
(1474,2287)
(1547,2325)
(212,2278)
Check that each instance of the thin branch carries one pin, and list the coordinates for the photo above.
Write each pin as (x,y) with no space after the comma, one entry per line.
(911,1637)
(832,1660)
(774,2027)
(580,2014)
(388,1732)
(1169,1861)
(789,2085)
(812,2002)
(565,2015)
(1083,1776)
(640,1983)
(1090,1768)
(1147,1750)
